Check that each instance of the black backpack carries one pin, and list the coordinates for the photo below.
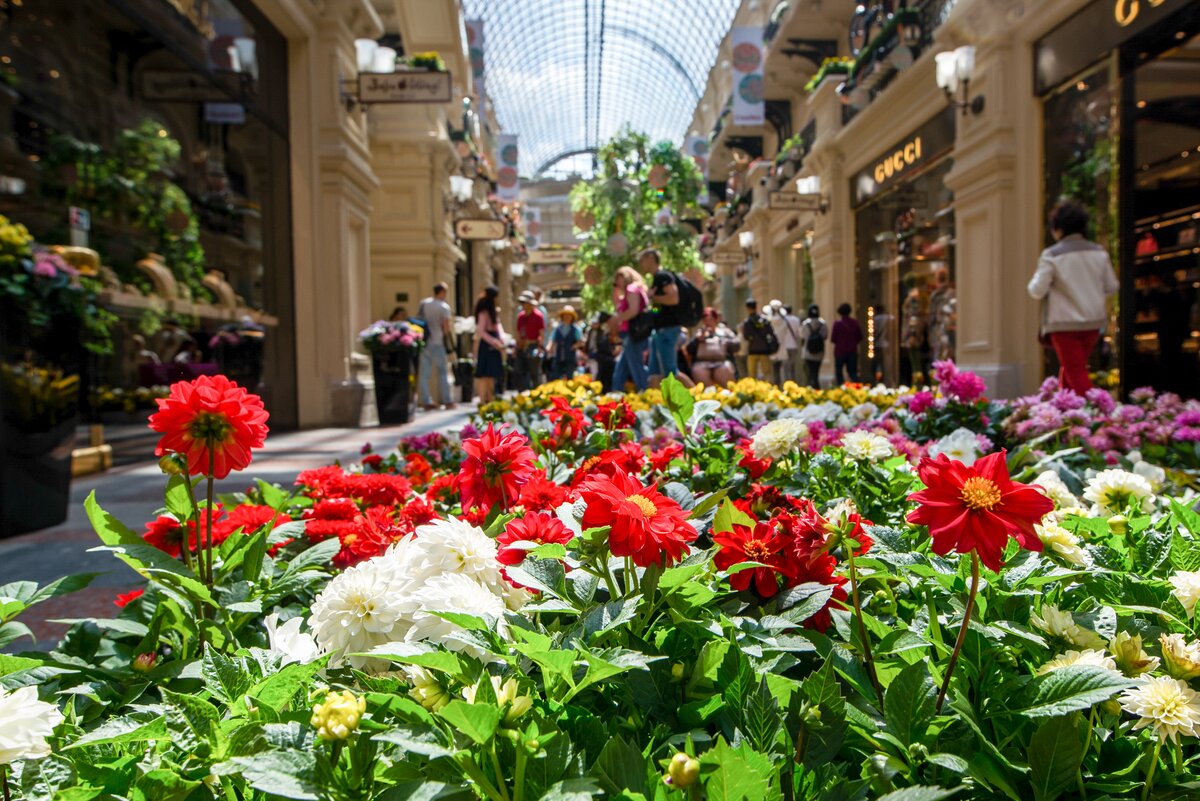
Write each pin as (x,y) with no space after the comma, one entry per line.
(816,341)
(763,341)
(690,310)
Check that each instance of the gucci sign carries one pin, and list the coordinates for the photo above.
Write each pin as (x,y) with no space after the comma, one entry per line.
(1125,12)
(904,157)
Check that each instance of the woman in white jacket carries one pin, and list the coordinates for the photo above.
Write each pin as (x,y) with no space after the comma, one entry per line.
(1074,280)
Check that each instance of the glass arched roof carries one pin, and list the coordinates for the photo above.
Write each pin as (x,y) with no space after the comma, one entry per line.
(566,75)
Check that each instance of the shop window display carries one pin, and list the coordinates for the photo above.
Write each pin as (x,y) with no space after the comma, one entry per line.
(906,287)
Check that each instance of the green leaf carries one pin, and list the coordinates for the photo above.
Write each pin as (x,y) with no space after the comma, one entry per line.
(422,656)
(821,691)
(318,556)
(606,617)
(179,497)
(679,402)
(477,721)
(801,602)
(278,690)
(921,793)
(62,586)
(735,677)
(273,496)
(123,730)
(289,774)
(543,575)
(192,722)
(761,720)
(162,785)
(709,503)
(13,664)
(729,516)
(226,678)
(425,743)
(734,775)
(572,789)
(1066,690)
(1055,752)
(619,767)
(909,703)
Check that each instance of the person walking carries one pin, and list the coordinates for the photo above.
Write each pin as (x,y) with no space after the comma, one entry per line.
(813,333)
(846,337)
(632,302)
(1074,280)
(531,325)
(881,364)
(664,342)
(564,340)
(489,346)
(761,343)
(435,311)
(599,348)
(787,334)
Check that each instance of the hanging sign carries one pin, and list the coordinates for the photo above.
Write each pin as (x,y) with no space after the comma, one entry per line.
(475,51)
(475,230)
(728,257)
(696,148)
(404,87)
(794,201)
(533,226)
(508,180)
(749,102)
(552,257)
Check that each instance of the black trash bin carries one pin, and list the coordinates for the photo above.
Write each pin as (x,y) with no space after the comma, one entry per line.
(464,376)
(393,385)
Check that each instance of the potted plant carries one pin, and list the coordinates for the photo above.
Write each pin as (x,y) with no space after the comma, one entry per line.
(431,61)
(394,346)
(49,322)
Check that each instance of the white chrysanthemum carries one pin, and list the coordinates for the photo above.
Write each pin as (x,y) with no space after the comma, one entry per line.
(25,723)
(455,592)
(1151,472)
(961,445)
(1086,657)
(864,411)
(868,447)
(1056,490)
(1167,704)
(360,609)
(827,412)
(778,438)
(1062,625)
(289,642)
(1114,490)
(1062,543)
(1185,586)
(449,546)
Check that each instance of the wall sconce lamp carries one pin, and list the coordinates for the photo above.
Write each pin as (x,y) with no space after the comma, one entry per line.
(517,269)
(746,240)
(462,188)
(369,57)
(955,69)
(810,187)
(710,269)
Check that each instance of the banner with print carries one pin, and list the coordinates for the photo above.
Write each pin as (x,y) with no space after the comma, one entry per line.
(533,226)
(475,51)
(749,104)
(696,148)
(508,181)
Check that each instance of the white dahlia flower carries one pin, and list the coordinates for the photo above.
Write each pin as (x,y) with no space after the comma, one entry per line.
(778,438)
(359,610)
(1062,543)
(1062,625)
(1114,490)
(455,592)
(1185,585)
(1056,490)
(1166,704)
(867,447)
(1086,657)
(289,642)
(1151,472)
(961,445)
(25,723)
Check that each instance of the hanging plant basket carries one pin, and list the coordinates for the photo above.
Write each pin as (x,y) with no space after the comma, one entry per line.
(658,177)
(584,221)
(591,275)
(617,245)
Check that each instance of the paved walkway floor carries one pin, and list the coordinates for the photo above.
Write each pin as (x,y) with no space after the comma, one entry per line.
(132,493)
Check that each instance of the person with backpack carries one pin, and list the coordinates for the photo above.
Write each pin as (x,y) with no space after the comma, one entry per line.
(678,305)
(564,341)
(786,332)
(847,335)
(435,312)
(813,333)
(761,343)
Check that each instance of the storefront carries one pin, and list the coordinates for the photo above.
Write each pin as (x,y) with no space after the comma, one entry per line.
(904,254)
(1120,88)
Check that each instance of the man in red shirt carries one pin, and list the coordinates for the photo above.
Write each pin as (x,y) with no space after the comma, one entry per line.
(531,324)
(846,337)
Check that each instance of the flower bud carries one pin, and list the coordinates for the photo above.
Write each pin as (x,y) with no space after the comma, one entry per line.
(1119,525)
(677,671)
(1112,707)
(1129,655)
(172,464)
(1180,658)
(144,663)
(426,690)
(532,746)
(338,715)
(683,771)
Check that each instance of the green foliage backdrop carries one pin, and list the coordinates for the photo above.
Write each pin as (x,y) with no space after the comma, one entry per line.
(621,201)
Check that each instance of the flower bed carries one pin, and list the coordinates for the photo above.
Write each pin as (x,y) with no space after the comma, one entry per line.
(736,595)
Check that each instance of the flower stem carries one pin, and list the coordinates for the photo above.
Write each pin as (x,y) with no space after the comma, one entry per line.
(867,657)
(208,523)
(962,631)
(4,782)
(500,783)
(1153,767)
(519,777)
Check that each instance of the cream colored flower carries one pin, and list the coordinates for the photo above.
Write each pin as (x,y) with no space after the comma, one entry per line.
(1185,586)
(25,723)
(778,438)
(455,592)
(961,445)
(289,642)
(508,697)
(1112,491)
(1056,489)
(1062,543)
(359,610)
(1086,657)
(338,715)
(1129,655)
(426,690)
(1180,658)
(867,447)
(1058,623)
(1152,473)
(1167,704)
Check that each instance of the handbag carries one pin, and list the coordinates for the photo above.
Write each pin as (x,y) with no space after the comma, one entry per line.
(642,326)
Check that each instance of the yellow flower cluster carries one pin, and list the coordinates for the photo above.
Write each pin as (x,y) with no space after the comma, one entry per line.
(14,239)
(338,715)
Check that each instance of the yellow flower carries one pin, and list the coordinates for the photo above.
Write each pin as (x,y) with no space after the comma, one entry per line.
(1086,657)
(338,715)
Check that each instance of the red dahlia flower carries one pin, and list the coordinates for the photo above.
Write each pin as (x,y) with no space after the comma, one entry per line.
(614,416)
(645,524)
(124,599)
(251,517)
(496,467)
(213,422)
(533,527)
(372,460)
(165,534)
(661,459)
(542,495)
(323,482)
(765,545)
(418,469)
(754,466)
(568,423)
(977,508)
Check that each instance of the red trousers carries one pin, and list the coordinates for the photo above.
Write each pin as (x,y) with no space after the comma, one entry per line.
(1074,348)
